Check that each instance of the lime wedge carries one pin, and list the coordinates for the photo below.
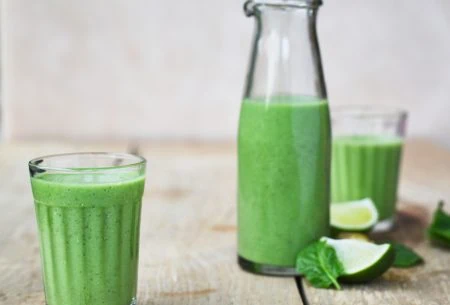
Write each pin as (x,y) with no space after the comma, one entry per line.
(354,216)
(362,261)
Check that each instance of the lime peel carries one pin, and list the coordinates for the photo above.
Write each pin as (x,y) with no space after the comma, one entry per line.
(362,261)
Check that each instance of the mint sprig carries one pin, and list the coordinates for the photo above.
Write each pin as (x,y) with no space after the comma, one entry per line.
(405,257)
(320,265)
(439,230)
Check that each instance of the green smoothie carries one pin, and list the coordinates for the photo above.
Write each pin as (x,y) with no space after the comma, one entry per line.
(367,167)
(284,169)
(89,236)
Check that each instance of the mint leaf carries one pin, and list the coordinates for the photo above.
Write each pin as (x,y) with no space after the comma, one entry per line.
(439,230)
(320,265)
(405,257)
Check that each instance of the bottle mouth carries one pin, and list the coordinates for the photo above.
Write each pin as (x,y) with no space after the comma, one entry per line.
(251,5)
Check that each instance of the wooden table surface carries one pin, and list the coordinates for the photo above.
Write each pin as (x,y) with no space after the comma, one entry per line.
(188,235)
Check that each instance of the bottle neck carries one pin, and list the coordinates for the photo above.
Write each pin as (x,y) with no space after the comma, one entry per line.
(286,58)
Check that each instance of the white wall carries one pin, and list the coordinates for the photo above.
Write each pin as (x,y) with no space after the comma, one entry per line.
(175,69)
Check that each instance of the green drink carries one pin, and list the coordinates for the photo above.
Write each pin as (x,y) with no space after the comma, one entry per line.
(88,215)
(284,142)
(367,167)
(367,149)
(284,167)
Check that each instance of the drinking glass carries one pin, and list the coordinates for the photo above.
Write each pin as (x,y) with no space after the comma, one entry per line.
(88,214)
(366,156)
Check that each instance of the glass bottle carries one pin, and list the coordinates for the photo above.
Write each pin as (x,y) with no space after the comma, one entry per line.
(284,141)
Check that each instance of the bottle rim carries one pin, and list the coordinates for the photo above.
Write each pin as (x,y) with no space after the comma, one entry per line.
(251,5)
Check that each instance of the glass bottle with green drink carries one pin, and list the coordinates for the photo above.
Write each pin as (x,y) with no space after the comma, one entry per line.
(284,141)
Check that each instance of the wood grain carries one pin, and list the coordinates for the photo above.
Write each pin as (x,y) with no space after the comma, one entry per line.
(188,235)
(188,253)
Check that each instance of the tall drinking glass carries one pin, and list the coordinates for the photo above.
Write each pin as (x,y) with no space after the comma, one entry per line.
(367,149)
(88,214)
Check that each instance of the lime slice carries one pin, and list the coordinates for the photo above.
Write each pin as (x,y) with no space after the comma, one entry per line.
(356,216)
(362,261)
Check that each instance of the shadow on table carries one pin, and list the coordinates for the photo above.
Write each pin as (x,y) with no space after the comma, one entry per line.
(410,227)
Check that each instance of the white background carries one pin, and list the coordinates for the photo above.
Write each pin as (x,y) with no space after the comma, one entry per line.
(152,69)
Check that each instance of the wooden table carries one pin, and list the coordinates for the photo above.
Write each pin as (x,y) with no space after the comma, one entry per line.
(188,252)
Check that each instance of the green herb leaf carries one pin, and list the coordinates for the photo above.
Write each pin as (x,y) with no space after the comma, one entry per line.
(405,257)
(439,230)
(320,265)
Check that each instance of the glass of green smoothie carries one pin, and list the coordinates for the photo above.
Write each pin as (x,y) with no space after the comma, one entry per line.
(88,214)
(366,155)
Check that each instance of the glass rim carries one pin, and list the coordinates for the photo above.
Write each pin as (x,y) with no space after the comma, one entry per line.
(368,111)
(139,161)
